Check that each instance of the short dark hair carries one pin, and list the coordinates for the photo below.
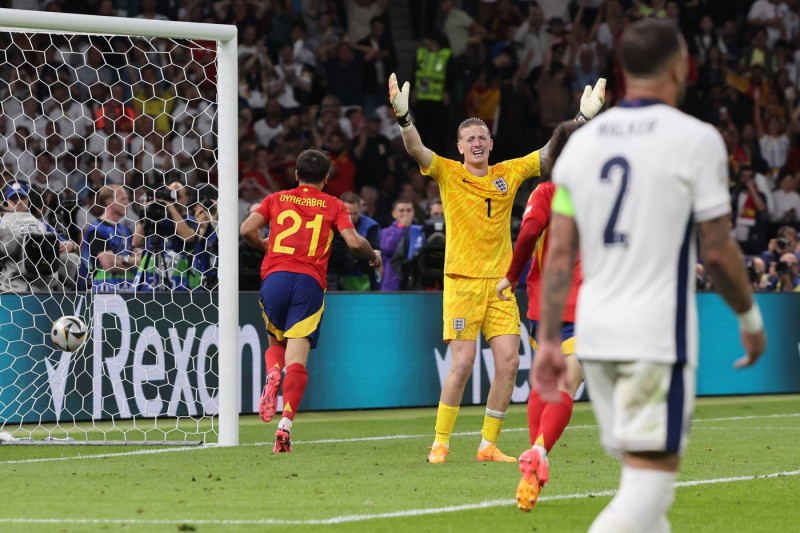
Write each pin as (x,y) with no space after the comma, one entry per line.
(312,166)
(401,201)
(648,46)
(350,197)
(557,142)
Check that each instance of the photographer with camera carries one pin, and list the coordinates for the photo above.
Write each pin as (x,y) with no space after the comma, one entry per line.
(165,231)
(785,274)
(107,250)
(33,256)
(203,274)
(418,259)
(785,241)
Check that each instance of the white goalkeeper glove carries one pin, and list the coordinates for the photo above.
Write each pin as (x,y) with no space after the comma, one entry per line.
(592,100)
(399,99)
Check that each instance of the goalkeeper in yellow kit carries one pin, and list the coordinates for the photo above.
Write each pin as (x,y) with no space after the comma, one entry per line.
(477,199)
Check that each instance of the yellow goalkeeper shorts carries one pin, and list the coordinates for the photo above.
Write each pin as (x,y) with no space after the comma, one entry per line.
(471,305)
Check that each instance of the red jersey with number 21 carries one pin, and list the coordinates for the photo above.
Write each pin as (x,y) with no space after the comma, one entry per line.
(301,223)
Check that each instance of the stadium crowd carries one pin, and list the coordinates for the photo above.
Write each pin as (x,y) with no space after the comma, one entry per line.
(312,73)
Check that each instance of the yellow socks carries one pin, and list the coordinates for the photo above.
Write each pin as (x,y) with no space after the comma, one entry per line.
(492,424)
(445,420)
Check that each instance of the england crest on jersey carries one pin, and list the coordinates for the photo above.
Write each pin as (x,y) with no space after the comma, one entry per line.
(458,324)
(501,184)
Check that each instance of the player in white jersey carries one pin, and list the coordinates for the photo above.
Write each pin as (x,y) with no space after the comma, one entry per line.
(633,187)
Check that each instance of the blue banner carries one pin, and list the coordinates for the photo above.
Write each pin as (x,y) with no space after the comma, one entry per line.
(156,355)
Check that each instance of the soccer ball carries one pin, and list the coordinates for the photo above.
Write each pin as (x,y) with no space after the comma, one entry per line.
(68,333)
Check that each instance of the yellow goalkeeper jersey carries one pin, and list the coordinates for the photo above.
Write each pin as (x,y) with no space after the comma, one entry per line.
(477,212)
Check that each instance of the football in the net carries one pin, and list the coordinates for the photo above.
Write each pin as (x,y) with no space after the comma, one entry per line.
(68,333)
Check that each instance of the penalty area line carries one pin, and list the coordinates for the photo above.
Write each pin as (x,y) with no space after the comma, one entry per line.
(378,516)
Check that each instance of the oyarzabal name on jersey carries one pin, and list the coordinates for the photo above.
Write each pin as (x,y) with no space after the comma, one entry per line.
(626,129)
(306,202)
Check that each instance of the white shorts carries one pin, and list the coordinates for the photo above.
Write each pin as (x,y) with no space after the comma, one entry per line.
(641,406)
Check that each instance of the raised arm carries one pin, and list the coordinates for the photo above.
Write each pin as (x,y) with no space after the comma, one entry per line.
(592,102)
(413,142)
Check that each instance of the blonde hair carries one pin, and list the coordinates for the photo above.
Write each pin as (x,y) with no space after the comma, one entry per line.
(471,121)
(105,196)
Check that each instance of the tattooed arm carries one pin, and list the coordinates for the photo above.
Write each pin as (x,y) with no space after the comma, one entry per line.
(549,367)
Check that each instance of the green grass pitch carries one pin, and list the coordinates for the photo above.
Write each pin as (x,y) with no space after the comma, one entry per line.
(366,471)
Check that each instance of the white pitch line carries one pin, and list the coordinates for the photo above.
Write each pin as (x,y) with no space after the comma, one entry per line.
(354,439)
(364,517)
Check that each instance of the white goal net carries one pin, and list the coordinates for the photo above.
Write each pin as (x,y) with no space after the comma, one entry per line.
(119,199)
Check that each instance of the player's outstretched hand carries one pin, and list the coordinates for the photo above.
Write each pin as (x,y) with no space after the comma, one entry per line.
(593,99)
(754,345)
(378,261)
(397,96)
(548,371)
(501,287)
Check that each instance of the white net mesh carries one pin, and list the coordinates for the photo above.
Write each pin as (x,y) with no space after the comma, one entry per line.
(109,160)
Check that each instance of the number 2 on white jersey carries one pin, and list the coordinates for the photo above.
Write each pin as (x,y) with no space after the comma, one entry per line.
(612,237)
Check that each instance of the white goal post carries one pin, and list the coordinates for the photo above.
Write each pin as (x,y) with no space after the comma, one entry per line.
(226,119)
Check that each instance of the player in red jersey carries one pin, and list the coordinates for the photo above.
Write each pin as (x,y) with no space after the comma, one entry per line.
(546,420)
(301,227)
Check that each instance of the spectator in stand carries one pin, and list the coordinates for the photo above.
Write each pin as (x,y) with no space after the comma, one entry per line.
(403,214)
(378,58)
(245,125)
(356,274)
(302,52)
(375,206)
(249,41)
(154,98)
(706,38)
(326,38)
(240,12)
(373,153)
(785,241)
(47,176)
(54,266)
(344,73)
(786,199)
(766,13)
(757,273)
(147,10)
(107,247)
(123,114)
(359,15)
(250,192)
(253,79)
(533,39)
(774,142)
(291,86)
(460,28)
(749,212)
(431,96)
(343,166)
(269,127)
(785,274)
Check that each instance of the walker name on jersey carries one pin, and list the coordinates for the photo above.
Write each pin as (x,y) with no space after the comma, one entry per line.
(627,129)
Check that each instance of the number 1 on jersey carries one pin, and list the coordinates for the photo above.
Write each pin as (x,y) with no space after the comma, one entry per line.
(488,207)
(611,236)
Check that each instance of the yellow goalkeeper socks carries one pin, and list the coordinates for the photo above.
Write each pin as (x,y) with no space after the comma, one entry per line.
(445,420)
(492,424)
